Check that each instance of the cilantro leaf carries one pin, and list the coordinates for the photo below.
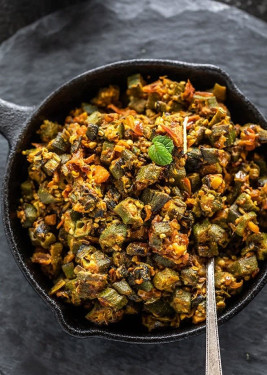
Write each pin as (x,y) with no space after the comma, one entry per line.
(166,141)
(159,154)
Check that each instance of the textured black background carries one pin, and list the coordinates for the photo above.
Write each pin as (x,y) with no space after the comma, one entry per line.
(15,14)
(39,58)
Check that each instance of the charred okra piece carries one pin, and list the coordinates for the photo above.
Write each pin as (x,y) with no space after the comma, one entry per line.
(60,144)
(156,199)
(89,285)
(137,249)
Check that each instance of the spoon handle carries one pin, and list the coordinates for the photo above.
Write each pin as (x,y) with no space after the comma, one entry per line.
(213,355)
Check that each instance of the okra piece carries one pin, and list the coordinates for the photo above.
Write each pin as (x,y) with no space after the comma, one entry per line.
(137,104)
(130,211)
(115,234)
(111,298)
(223,279)
(246,203)
(194,160)
(83,255)
(218,235)
(189,276)
(99,262)
(219,115)
(161,261)
(89,108)
(220,92)
(210,155)
(152,101)
(30,213)
(207,203)
(116,168)
(137,249)
(89,285)
(48,130)
(147,286)
(258,242)
(40,235)
(129,157)
(227,131)
(68,270)
(174,209)
(123,288)
(242,222)
(166,279)
(156,199)
(195,181)
(82,227)
(51,165)
(159,230)
(135,83)
(176,175)
(244,266)
(94,118)
(44,195)
(147,175)
(181,301)
(60,144)
(92,131)
(233,213)
(102,315)
(59,284)
(159,308)
(208,236)
(27,188)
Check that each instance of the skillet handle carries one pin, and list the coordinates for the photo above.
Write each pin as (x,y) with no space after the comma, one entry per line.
(12,117)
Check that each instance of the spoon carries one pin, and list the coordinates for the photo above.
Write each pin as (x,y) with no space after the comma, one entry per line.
(213,355)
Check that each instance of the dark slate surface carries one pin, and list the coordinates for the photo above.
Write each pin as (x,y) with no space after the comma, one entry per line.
(38,59)
(19,13)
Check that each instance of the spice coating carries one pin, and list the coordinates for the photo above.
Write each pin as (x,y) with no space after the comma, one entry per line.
(122,220)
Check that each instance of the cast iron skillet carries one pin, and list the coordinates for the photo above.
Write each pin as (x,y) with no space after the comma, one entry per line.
(18,124)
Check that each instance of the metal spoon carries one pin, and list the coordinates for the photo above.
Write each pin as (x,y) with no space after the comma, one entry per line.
(213,355)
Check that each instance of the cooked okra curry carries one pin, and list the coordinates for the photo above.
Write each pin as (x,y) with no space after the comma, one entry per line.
(127,199)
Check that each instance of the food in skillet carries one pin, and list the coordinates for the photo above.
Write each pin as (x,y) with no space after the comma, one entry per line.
(126,201)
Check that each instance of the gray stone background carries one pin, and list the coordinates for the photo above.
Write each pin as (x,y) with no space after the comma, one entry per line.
(41,56)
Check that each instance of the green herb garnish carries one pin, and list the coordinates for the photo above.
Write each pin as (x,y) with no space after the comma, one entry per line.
(160,151)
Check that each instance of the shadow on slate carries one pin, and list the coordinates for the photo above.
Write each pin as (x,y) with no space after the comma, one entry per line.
(34,62)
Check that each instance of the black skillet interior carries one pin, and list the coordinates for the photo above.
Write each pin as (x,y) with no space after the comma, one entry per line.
(56,107)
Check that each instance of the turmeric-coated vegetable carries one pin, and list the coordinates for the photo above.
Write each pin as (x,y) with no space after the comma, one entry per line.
(127,198)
